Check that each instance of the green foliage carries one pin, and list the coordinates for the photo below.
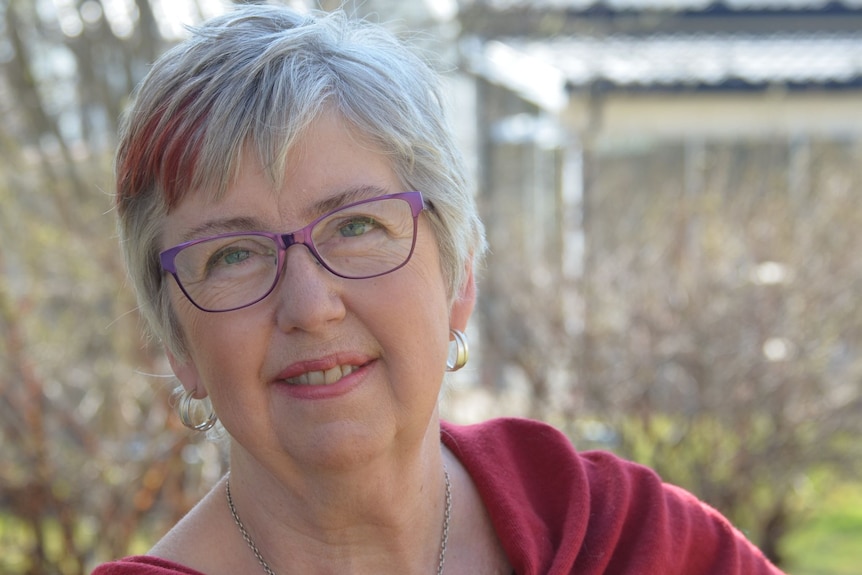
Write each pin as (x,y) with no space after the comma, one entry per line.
(724,465)
(827,540)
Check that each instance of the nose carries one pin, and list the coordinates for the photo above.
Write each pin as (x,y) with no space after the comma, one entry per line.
(308,296)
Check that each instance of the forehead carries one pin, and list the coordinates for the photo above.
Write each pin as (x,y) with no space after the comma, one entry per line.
(330,164)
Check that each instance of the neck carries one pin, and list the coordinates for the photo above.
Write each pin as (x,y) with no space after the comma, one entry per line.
(382,517)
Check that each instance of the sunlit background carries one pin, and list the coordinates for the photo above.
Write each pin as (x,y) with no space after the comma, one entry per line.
(671,190)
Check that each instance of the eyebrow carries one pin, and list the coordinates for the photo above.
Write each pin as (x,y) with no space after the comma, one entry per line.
(249,224)
(348,196)
(223,226)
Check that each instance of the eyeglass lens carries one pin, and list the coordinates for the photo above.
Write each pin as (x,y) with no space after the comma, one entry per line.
(358,241)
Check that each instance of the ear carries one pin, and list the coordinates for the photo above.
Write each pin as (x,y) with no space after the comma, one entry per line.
(462,307)
(187,372)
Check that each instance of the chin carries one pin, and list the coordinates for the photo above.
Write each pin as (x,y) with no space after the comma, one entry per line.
(339,446)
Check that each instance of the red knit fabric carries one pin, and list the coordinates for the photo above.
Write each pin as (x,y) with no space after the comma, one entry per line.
(143,565)
(558,512)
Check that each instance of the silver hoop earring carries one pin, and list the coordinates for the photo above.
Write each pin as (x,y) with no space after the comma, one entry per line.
(462,351)
(185,412)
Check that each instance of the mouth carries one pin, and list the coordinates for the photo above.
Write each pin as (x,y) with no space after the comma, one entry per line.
(322,377)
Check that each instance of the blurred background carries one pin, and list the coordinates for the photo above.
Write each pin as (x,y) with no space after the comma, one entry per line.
(672,195)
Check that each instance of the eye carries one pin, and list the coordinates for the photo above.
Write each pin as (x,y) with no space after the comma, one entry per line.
(235,256)
(240,253)
(228,256)
(356,227)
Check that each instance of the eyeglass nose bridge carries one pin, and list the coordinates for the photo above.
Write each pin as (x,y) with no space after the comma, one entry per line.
(299,237)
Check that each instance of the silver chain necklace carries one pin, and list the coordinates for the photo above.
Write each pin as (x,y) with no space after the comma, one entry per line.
(444,539)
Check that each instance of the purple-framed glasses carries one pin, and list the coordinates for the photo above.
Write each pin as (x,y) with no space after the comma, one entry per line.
(362,240)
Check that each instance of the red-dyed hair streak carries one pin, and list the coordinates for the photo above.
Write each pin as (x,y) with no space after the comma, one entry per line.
(161,153)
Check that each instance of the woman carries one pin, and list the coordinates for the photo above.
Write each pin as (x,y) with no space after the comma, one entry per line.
(323,361)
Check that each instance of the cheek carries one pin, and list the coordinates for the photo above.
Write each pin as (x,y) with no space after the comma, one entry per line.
(221,346)
(425,316)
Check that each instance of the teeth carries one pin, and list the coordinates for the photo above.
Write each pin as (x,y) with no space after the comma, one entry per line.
(327,377)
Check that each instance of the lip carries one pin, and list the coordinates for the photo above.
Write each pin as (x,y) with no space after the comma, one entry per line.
(359,367)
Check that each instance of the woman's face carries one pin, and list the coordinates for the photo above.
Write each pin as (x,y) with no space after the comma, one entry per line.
(379,344)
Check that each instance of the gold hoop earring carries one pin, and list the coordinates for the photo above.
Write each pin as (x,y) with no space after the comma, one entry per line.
(462,351)
(185,412)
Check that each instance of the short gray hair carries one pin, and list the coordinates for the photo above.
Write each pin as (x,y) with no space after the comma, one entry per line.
(254,79)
